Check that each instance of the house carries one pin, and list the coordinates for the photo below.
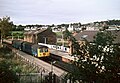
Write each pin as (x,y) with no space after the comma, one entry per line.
(30,28)
(89,35)
(40,36)
(74,27)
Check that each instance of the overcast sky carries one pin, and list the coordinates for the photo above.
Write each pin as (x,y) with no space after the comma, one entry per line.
(59,11)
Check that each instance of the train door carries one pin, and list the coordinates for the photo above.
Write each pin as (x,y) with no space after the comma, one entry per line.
(34,52)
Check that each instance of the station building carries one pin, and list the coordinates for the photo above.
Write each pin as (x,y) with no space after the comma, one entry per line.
(40,36)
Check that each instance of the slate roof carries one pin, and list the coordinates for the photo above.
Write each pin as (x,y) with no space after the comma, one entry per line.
(89,35)
(34,31)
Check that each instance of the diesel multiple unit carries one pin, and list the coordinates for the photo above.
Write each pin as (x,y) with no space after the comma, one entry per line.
(33,49)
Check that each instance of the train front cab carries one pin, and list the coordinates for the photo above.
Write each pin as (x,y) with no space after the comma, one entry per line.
(43,52)
(40,51)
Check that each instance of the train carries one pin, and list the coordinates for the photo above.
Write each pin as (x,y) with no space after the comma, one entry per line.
(40,50)
(30,48)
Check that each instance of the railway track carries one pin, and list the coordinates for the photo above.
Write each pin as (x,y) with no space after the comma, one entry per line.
(57,62)
(39,63)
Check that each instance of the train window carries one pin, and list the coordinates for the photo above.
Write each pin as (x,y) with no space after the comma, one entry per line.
(41,50)
(65,49)
(46,50)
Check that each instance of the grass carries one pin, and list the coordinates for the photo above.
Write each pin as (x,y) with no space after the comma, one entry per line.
(58,33)
(17,32)
(17,63)
(19,69)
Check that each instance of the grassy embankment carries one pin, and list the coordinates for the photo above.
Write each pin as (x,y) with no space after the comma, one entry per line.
(11,67)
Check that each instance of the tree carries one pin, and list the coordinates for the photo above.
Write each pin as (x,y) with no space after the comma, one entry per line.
(99,61)
(66,34)
(14,27)
(5,26)
(104,26)
(7,75)
(20,28)
(52,25)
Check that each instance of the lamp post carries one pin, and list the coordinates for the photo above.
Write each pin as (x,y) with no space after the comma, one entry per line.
(52,65)
(42,71)
(52,71)
(12,35)
(63,41)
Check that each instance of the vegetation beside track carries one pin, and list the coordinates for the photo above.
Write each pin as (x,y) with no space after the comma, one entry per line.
(11,67)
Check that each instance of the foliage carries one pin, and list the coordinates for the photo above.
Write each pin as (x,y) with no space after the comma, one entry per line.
(11,68)
(75,45)
(7,75)
(98,62)
(17,34)
(113,22)
(107,56)
(65,25)
(18,28)
(49,28)
(66,34)
(110,22)
(59,34)
(5,25)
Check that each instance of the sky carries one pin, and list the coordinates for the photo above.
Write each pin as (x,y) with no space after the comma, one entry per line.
(59,11)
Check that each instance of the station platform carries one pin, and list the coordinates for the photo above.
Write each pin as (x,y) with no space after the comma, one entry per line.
(64,56)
